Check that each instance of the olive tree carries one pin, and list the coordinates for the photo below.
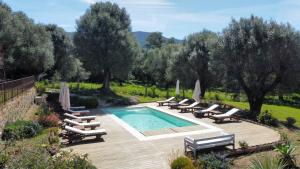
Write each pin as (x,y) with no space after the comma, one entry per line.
(31,52)
(192,62)
(104,42)
(259,54)
(154,40)
(66,65)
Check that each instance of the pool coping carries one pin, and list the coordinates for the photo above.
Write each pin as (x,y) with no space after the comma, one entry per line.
(141,137)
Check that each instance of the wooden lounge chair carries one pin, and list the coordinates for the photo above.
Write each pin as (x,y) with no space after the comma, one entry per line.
(169,100)
(82,118)
(201,113)
(189,107)
(207,143)
(74,134)
(91,125)
(176,105)
(230,114)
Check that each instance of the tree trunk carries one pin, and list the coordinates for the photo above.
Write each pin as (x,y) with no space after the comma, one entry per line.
(255,105)
(203,90)
(106,83)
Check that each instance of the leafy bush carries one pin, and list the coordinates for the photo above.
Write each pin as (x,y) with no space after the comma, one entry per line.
(51,120)
(182,162)
(290,121)
(20,129)
(268,119)
(88,102)
(267,163)
(211,161)
(287,155)
(40,158)
(243,144)
(43,110)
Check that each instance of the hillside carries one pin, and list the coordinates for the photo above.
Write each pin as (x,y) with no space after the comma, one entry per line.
(139,35)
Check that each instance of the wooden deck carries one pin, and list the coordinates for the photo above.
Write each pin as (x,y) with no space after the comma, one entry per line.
(121,150)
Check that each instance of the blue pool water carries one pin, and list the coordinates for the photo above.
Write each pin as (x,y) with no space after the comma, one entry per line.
(145,119)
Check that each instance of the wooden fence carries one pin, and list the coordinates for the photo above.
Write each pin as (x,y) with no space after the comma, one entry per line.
(12,88)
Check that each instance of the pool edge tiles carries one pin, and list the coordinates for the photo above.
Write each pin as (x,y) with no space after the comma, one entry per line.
(160,133)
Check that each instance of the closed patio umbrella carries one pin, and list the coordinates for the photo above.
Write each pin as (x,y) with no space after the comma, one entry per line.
(61,92)
(197,91)
(177,87)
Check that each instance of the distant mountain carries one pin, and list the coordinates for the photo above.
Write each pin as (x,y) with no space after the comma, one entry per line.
(142,36)
(139,35)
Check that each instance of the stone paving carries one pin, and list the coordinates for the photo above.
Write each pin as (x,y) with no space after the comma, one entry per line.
(121,150)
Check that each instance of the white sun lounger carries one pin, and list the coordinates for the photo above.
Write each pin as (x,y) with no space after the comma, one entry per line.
(78,111)
(229,114)
(181,103)
(189,107)
(161,103)
(91,125)
(82,118)
(77,134)
(206,143)
(208,110)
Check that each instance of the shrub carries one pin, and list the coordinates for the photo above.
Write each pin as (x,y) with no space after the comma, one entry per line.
(182,162)
(290,121)
(43,110)
(88,102)
(243,144)
(20,129)
(268,119)
(51,120)
(267,163)
(287,155)
(211,161)
(40,158)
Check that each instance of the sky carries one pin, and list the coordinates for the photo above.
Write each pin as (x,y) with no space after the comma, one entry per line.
(174,18)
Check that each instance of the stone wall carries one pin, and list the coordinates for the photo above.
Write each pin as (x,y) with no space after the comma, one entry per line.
(17,107)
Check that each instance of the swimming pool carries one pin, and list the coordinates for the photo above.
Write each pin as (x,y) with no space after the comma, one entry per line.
(146,119)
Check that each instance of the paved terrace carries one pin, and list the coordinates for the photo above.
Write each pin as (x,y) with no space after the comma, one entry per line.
(121,150)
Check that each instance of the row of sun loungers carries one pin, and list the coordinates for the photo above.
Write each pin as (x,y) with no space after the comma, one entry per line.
(210,111)
(75,125)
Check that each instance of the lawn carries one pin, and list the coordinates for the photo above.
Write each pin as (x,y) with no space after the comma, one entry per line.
(280,112)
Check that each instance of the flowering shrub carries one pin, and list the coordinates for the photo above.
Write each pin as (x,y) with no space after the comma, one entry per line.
(51,120)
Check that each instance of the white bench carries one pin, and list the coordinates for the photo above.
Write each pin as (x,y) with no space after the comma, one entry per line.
(206,143)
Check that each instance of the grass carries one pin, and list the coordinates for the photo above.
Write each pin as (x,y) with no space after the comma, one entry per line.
(279,112)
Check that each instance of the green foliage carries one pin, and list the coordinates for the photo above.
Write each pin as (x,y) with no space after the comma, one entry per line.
(268,119)
(182,162)
(211,161)
(243,144)
(31,45)
(88,102)
(287,155)
(249,56)
(290,121)
(192,62)
(38,157)
(20,129)
(104,42)
(267,163)
(154,40)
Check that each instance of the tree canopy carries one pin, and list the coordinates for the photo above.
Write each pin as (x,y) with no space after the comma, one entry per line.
(192,62)
(104,42)
(154,40)
(258,54)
